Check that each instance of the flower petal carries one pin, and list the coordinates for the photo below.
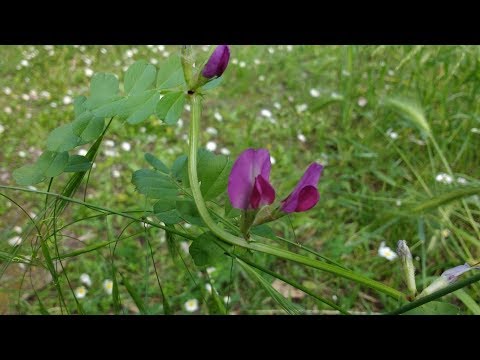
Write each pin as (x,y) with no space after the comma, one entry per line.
(217,63)
(246,168)
(309,198)
(262,193)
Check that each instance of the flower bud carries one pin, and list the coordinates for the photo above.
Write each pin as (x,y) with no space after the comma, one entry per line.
(217,63)
(448,277)
(407,264)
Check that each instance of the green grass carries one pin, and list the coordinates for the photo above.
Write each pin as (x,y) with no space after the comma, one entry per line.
(374,188)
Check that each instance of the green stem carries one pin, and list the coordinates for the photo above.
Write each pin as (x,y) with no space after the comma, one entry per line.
(235,240)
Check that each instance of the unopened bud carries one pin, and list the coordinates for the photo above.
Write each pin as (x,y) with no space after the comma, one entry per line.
(448,277)
(407,265)
(217,63)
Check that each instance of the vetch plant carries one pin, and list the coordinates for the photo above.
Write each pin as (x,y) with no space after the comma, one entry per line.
(219,210)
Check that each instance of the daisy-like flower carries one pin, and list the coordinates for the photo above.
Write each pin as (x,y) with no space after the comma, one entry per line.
(218,116)
(81,292)
(266,113)
(444,178)
(314,93)
(362,102)
(462,181)
(126,146)
(191,305)
(261,78)
(208,287)
(301,137)
(301,108)
(115,173)
(475,130)
(88,72)
(22,153)
(212,131)
(211,146)
(392,134)
(15,241)
(225,151)
(86,280)
(17,229)
(108,286)
(7,90)
(386,252)
(67,100)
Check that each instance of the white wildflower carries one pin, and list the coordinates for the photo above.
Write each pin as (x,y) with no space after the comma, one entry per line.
(191,305)
(386,252)
(85,279)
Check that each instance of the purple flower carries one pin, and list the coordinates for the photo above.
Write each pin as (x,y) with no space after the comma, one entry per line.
(217,63)
(248,183)
(305,195)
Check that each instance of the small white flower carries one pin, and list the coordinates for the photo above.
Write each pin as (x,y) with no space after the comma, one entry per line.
(211,270)
(334,297)
(116,174)
(289,47)
(218,116)
(108,286)
(22,154)
(161,47)
(15,241)
(110,153)
(153,61)
(45,94)
(80,292)
(242,64)
(391,73)
(398,202)
(191,305)
(25,97)
(8,110)
(301,137)
(266,113)
(67,100)
(475,130)
(271,50)
(165,54)
(109,143)
(126,146)
(88,72)
(85,279)
(314,93)
(7,90)
(53,104)
(208,287)
(444,178)
(187,107)
(392,134)
(257,62)
(234,61)
(272,160)
(226,299)
(24,63)
(225,151)
(82,152)
(277,105)
(261,78)
(462,181)
(211,131)
(129,53)
(143,129)
(386,252)
(103,50)
(362,102)
(17,229)
(2,128)
(301,108)
(212,146)
(345,73)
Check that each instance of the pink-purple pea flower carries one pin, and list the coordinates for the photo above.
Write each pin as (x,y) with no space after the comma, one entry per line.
(217,63)
(249,187)
(305,195)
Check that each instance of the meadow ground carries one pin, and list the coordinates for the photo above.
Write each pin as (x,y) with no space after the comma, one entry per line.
(304,103)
